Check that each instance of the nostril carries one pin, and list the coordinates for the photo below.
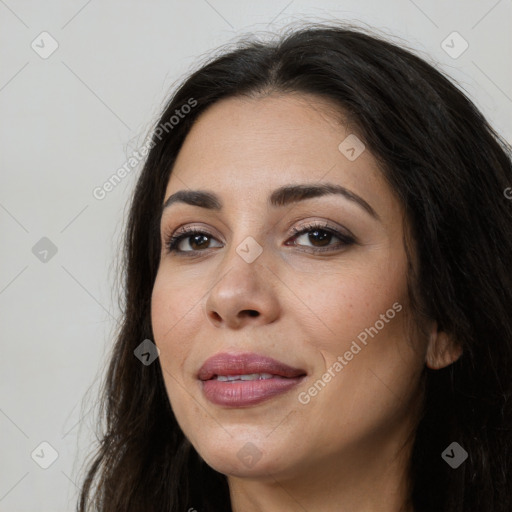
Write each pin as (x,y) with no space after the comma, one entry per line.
(252,312)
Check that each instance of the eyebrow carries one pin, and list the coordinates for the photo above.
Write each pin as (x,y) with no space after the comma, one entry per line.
(280,197)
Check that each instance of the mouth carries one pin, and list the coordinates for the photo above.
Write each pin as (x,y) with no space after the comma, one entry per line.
(241,380)
(245,377)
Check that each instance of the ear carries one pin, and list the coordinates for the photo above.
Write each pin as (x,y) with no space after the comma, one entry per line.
(442,349)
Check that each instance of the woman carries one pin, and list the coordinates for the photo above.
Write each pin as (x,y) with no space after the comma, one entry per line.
(319,247)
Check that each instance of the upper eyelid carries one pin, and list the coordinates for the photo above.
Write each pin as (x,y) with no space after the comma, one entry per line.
(183,232)
(166,226)
(319,223)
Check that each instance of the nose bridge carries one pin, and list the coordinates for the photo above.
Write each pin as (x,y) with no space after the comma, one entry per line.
(242,288)
(248,248)
(248,230)
(242,264)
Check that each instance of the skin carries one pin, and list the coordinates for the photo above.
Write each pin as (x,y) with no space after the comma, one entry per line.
(347,448)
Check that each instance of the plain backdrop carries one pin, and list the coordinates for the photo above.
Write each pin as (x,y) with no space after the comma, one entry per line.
(71,115)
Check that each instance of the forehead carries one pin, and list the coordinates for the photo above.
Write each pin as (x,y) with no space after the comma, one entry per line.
(251,146)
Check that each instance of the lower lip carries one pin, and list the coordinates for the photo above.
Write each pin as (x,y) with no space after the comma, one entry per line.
(242,393)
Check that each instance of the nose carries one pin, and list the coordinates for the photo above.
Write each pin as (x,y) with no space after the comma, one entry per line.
(244,294)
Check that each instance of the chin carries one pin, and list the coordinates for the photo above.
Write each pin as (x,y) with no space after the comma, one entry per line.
(243,458)
(233,467)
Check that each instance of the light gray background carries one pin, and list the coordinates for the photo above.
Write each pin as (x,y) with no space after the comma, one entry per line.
(69,121)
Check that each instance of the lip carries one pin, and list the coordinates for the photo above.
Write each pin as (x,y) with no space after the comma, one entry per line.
(251,392)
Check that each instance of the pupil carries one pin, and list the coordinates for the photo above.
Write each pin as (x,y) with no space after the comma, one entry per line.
(320,238)
(198,237)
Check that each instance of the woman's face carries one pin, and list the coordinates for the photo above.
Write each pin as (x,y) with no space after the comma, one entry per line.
(330,306)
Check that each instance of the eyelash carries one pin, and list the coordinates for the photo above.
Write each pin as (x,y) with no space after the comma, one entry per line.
(172,241)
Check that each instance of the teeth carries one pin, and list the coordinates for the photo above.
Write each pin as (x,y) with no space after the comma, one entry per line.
(256,376)
(247,376)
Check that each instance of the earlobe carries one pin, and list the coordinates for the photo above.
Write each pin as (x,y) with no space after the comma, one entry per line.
(442,350)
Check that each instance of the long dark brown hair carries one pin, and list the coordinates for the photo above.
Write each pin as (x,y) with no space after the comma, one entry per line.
(448,168)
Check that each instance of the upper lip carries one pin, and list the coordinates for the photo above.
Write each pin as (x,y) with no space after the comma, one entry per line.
(245,363)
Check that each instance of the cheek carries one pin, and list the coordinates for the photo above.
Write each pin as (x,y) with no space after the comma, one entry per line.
(346,304)
(376,367)
(174,313)
(364,318)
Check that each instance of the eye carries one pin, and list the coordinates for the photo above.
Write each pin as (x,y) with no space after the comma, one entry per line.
(196,239)
(319,235)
